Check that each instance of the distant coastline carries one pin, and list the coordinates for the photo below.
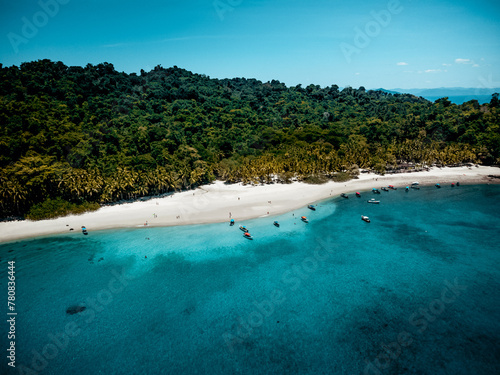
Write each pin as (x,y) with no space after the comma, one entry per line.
(456,95)
(219,202)
(461,99)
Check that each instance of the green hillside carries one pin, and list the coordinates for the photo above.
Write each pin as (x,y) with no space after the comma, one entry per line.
(80,137)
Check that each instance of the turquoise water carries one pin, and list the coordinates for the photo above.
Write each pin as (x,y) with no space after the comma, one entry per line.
(416,291)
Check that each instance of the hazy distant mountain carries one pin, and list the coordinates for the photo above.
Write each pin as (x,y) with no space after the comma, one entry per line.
(457,95)
(389,91)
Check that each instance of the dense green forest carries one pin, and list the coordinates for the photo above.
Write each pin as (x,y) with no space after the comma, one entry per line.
(92,135)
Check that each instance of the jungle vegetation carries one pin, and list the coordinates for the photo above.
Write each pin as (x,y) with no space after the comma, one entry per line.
(74,137)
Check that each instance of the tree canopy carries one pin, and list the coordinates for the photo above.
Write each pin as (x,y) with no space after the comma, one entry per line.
(94,135)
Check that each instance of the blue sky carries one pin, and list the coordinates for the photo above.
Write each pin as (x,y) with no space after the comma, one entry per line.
(377,43)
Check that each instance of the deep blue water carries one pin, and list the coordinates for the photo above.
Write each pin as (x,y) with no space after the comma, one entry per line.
(416,291)
(460,99)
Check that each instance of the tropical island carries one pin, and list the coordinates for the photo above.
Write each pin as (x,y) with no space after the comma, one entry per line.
(75,138)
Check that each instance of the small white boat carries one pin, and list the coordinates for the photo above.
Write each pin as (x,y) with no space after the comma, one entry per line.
(365,218)
(414,183)
(373,201)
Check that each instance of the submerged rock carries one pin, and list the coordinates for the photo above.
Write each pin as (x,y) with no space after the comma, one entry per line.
(75,309)
(189,310)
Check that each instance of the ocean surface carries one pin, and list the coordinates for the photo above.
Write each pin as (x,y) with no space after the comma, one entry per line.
(460,99)
(415,291)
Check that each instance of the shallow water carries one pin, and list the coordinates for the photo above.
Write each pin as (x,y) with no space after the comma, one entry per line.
(415,291)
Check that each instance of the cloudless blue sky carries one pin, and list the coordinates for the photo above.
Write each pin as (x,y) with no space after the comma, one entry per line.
(420,44)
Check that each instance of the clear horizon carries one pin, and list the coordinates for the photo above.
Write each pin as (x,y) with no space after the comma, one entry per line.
(376,44)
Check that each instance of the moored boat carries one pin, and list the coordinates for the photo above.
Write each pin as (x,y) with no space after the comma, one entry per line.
(373,201)
(385,189)
(343,195)
(375,191)
(311,207)
(407,189)
(276,224)
(414,183)
(392,187)
(231,223)
(416,187)
(365,218)
(358,194)
(243,228)
(438,186)
(84,231)
(248,236)
(304,219)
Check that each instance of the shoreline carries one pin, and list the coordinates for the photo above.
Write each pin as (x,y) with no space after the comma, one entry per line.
(219,202)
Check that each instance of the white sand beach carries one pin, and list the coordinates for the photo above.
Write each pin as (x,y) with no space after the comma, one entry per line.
(219,202)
